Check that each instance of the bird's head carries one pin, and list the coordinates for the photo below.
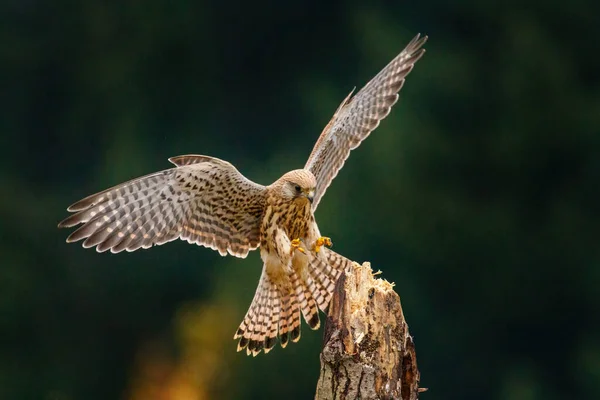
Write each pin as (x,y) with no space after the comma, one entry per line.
(299,184)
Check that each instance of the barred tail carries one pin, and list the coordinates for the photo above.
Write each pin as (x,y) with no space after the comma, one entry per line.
(289,318)
(256,332)
(277,308)
(324,275)
(308,304)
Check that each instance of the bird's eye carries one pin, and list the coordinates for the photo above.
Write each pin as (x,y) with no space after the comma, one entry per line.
(298,188)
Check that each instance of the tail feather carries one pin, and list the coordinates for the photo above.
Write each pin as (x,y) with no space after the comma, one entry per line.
(277,309)
(323,283)
(284,315)
(337,262)
(325,275)
(296,320)
(261,318)
(257,329)
(252,323)
(264,335)
(308,305)
(320,290)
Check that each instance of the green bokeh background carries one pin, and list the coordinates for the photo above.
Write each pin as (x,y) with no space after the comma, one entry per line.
(478,196)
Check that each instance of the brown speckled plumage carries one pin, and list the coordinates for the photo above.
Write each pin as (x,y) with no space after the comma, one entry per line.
(207,201)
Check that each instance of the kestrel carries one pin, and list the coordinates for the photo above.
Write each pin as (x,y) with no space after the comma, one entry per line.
(207,201)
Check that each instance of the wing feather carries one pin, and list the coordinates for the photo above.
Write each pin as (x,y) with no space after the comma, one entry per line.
(358,116)
(203,200)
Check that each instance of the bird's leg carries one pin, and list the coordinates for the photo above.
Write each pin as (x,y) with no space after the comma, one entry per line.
(296,245)
(320,242)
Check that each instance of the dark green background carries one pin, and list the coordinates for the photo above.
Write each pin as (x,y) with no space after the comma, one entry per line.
(478,196)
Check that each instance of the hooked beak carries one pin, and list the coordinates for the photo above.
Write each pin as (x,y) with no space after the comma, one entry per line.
(311,196)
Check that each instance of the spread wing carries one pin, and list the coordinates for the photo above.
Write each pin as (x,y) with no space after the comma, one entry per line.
(203,200)
(358,116)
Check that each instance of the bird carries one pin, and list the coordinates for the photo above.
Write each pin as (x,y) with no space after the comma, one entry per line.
(207,201)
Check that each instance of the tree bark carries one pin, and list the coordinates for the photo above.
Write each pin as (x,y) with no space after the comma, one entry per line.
(367,350)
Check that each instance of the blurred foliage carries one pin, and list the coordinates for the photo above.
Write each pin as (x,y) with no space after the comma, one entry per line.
(478,195)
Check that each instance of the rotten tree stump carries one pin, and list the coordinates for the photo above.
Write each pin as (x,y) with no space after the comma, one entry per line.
(367,350)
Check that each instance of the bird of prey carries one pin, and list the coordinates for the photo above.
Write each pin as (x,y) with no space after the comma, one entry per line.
(207,201)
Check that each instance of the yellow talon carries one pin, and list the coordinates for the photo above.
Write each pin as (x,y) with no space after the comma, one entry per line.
(296,246)
(322,241)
